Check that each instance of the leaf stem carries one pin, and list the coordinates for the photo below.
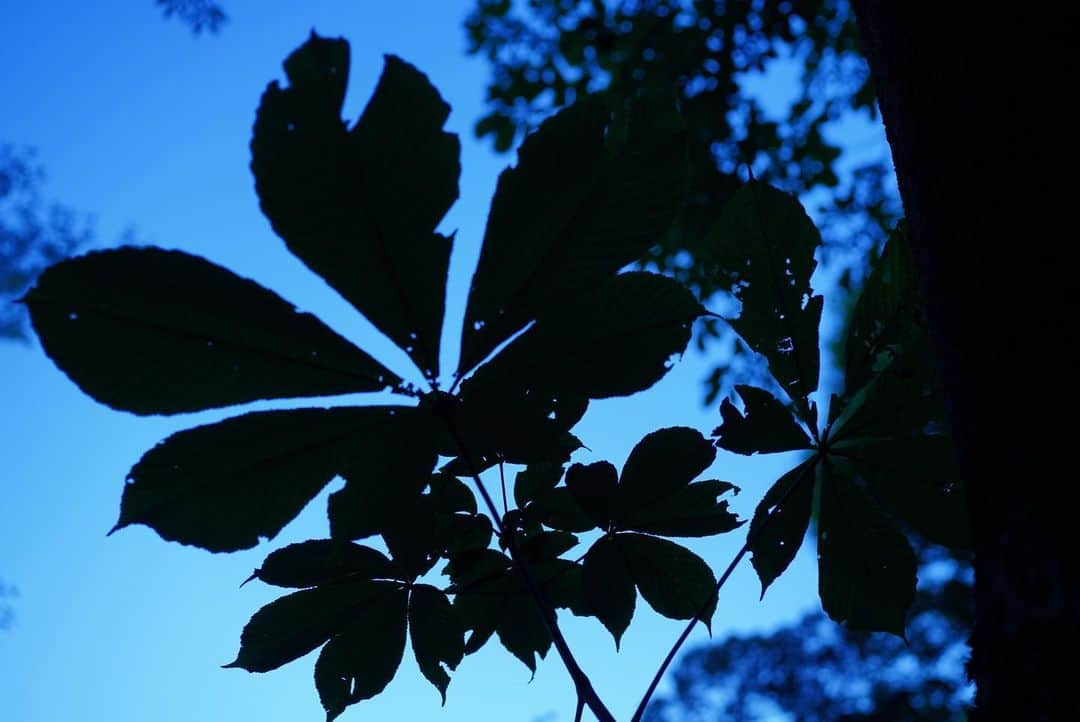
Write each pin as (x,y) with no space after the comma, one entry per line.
(640,711)
(585,692)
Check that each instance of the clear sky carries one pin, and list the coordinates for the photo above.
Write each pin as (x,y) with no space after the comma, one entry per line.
(143,124)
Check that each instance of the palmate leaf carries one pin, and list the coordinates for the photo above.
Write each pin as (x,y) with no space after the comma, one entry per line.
(767,426)
(764,243)
(362,606)
(491,598)
(570,215)
(359,206)
(164,332)
(654,495)
(224,485)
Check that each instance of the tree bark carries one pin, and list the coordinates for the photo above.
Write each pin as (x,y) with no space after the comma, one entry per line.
(976,100)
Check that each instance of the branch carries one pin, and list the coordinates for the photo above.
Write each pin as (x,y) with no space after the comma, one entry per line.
(640,711)
(587,696)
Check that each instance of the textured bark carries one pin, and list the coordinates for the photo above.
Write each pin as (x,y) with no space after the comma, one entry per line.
(975,99)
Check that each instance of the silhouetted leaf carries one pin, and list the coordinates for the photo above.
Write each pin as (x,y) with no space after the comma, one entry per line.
(359,206)
(675,582)
(500,603)
(695,510)
(362,659)
(661,464)
(293,625)
(545,546)
(774,545)
(437,636)
(224,485)
(609,586)
(457,533)
(866,570)
(888,309)
(523,633)
(476,566)
(767,426)
(593,488)
(535,480)
(325,561)
(765,243)
(916,480)
(558,509)
(567,217)
(901,400)
(449,494)
(410,534)
(507,417)
(163,332)
(564,584)
(614,340)
(389,473)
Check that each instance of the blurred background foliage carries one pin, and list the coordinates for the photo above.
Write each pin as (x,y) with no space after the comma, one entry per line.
(33,233)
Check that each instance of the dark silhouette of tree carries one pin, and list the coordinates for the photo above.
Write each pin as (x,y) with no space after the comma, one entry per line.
(967,101)
(200,15)
(33,234)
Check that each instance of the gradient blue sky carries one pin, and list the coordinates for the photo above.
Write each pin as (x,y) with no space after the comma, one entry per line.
(145,125)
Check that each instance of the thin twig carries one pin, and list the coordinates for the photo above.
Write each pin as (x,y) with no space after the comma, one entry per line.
(502,483)
(582,685)
(716,593)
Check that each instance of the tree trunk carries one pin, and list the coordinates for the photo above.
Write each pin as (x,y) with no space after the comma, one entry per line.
(976,102)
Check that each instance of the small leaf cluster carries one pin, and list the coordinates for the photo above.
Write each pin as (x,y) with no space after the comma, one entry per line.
(550,325)
(882,465)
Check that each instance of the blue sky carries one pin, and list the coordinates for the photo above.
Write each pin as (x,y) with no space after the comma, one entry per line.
(145,125)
